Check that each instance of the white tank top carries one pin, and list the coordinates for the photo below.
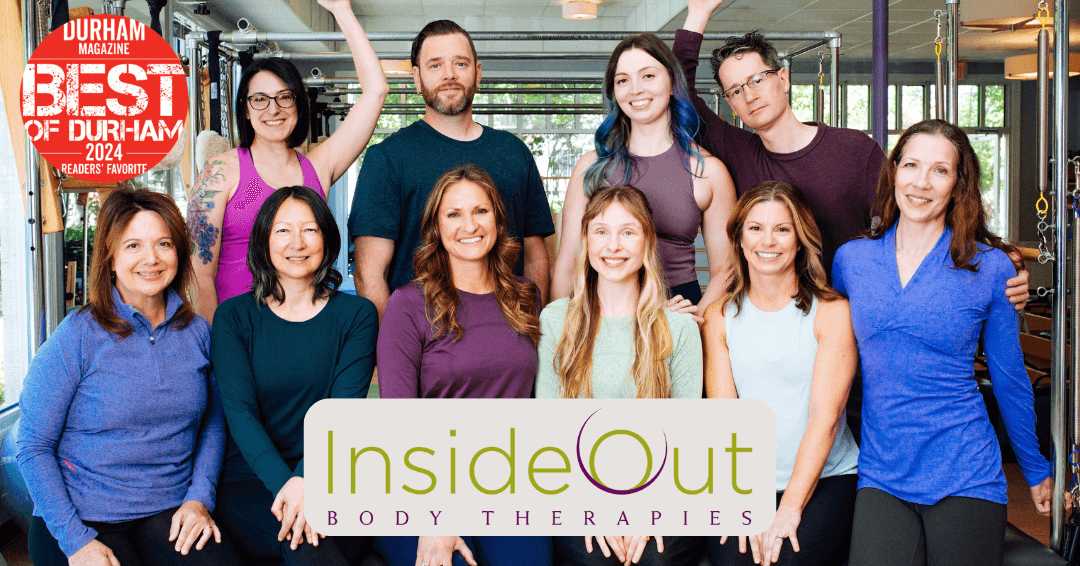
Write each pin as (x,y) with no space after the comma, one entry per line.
(772,359)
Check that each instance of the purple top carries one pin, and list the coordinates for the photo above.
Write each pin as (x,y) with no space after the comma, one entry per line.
(489,361)
(669,186)
(837,171)
(233,276)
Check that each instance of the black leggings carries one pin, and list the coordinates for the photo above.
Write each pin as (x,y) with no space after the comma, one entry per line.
(138,542)
(678,551)
(824,530)
(956,531)
(244,509)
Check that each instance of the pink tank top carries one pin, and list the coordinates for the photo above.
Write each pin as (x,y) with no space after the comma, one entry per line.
(233,276)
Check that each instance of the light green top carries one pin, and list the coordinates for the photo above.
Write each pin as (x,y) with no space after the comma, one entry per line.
(613,355)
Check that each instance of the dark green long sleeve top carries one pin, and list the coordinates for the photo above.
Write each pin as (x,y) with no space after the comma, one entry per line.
(271,371)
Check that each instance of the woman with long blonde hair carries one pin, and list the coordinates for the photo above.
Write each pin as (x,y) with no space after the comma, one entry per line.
(465,327)
(614,337)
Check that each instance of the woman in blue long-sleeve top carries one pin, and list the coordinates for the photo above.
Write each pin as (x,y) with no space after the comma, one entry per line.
(924,286)
(122,432)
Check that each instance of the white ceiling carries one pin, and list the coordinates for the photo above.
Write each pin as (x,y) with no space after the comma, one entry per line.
(911,22)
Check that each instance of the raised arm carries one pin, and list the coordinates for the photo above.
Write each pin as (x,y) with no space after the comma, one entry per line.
(698,13)
(834,370)
(332,157)
(205,217)
(719,381)
(721,193)
(562,280)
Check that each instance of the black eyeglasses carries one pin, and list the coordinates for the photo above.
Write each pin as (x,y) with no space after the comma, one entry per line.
(262,101)
(752,84)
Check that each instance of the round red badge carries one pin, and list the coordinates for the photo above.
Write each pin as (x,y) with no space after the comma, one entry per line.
(104,98)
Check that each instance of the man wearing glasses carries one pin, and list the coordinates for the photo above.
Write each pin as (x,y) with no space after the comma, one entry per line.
(836,168)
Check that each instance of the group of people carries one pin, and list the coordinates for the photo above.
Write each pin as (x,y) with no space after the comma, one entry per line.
(149,436)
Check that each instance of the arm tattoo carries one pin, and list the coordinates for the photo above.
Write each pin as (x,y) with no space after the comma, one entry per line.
(203,234)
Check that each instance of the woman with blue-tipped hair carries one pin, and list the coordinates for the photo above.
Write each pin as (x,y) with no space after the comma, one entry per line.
(647,141)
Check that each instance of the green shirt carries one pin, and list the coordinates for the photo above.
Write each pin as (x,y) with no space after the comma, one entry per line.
(613,355)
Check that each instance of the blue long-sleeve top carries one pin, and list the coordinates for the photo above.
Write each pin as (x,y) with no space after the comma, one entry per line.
(925,431)
(114,429)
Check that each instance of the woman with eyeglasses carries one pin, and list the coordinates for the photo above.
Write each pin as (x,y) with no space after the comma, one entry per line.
(647,141)
(273,114)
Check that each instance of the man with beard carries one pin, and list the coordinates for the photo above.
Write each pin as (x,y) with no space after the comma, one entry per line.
(398,174)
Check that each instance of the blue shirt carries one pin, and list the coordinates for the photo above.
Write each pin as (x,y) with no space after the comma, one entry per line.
(398,174)
(114,429)
(925,432)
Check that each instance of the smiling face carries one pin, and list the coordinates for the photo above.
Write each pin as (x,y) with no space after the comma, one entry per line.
(296,242)
(272,123)
(467,226)
(145,262)
(642,87)
(768,240)
(448,75)
(758,105)
(616,244)
(925,177)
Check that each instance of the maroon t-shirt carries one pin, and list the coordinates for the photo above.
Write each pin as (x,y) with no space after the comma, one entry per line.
(837,172)
(490,361)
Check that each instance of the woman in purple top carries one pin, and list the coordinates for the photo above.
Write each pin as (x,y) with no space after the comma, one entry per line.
(466,327)
(273,113)
(925,288)
(647,141)
(122,432)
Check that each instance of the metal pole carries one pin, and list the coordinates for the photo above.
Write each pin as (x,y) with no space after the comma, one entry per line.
(834,80)
(52,260)
(194,79)
(1042,129)
(35,283)
(953,7)
(501,56)
(1057,404)
(879,89)
(248,38)
(939,90)
(796,52)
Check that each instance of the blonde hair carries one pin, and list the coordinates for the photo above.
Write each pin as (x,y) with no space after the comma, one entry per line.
(652,336)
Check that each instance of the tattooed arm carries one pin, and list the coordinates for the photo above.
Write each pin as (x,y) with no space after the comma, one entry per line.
(206,214)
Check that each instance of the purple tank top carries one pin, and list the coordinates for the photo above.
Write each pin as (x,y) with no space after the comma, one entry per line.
(670,190)
(233,276)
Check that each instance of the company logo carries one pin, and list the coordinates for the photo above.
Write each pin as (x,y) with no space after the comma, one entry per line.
(503,467)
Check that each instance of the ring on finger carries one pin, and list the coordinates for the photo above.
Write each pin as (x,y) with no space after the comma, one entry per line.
(781,537)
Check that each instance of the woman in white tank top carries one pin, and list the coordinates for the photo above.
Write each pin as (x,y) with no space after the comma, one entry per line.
(781,335)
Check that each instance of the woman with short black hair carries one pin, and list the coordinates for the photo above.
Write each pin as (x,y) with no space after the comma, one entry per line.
(279,349)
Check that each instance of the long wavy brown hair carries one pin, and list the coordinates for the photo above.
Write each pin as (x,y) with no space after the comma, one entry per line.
(813,281)
(119,208)
(965,215)
(652,335)
(517,299)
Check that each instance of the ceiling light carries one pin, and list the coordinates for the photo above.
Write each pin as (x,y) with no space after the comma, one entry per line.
(1000,15)
(579,9)
(1025,67)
